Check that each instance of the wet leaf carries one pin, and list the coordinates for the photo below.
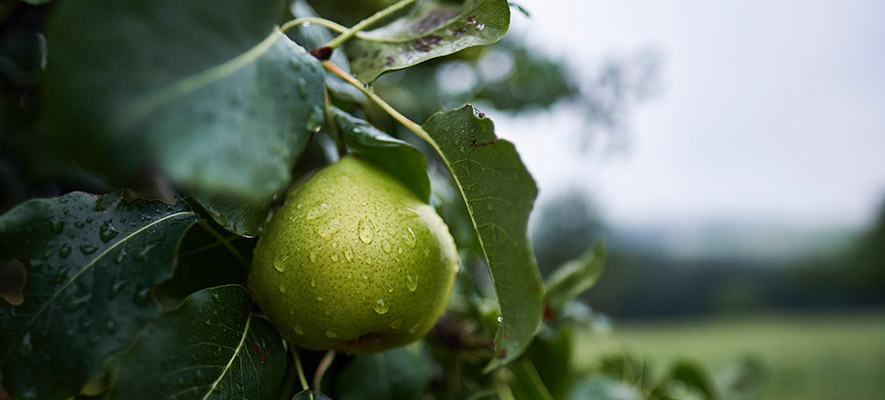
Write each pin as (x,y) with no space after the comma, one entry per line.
(399,158)
(312,36)
(210,93)
(211,346)
(204,261)
(573,278)
(499,193)
(236,214)
(526,383)
(91,262)
(12,281)
(401,373)
(431,29)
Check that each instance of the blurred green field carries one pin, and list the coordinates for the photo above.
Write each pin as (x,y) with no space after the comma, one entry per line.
(807,356)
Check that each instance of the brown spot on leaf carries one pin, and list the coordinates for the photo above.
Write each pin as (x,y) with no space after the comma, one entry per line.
(425,43)
(502,353)
(458,32)
(389,62)
(12,280)
(434,19)
(471,20)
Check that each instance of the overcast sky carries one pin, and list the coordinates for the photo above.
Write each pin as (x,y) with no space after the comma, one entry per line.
(768,111)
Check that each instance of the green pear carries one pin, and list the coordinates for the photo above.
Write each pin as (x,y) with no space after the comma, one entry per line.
(354,261)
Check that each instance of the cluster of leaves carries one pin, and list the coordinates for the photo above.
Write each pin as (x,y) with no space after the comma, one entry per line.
(216,108)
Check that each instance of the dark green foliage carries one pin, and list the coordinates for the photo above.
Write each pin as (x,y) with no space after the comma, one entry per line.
(91,263)
(210,346)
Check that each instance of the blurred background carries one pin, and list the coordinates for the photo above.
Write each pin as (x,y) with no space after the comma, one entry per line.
(733,155)
(730,155)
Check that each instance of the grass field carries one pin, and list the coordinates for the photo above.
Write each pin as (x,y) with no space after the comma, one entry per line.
(808,356)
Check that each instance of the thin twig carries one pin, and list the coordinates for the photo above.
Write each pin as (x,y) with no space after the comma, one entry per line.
(233,250)
(321,369)
(300,370)
(340,39)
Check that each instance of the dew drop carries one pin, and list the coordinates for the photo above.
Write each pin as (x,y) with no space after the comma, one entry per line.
(349,275)
(64,251)
(396,323)
(380,307)
(313,253)
(348,254)
(319,298)
(410,238)
(56,226)
(302,87)
(500,319)
(366,230)
(111,326)
(334,257)
(334,245)
(365,275)
(389,288)
(25,348)
(331,335)
(385,245)
(75,303)
(315,119)
(283,288)
(368,259)
(399,250)
(61,273)
(79,224)
(88,249)
(120,256)
(318,211)
(298,329)
(414,328)
(313,283)
(141,297)
(107,232)
(280,265)
(328,230)
(412,283)
(115,289)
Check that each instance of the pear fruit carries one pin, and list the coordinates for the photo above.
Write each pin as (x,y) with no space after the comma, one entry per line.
(353,261)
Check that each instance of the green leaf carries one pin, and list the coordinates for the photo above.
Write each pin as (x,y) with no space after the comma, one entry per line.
(312,36)
(208,92)
(499,193)
(574,277)
(236,214)
(91,263)
(204,261)
(308,395)
(687,377)
(602,388)
(526,383)
(210,346)
(397,157)
(431,29)
(552,357)
(401,373)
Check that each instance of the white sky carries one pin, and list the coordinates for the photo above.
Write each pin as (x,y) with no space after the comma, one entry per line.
(769,111)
